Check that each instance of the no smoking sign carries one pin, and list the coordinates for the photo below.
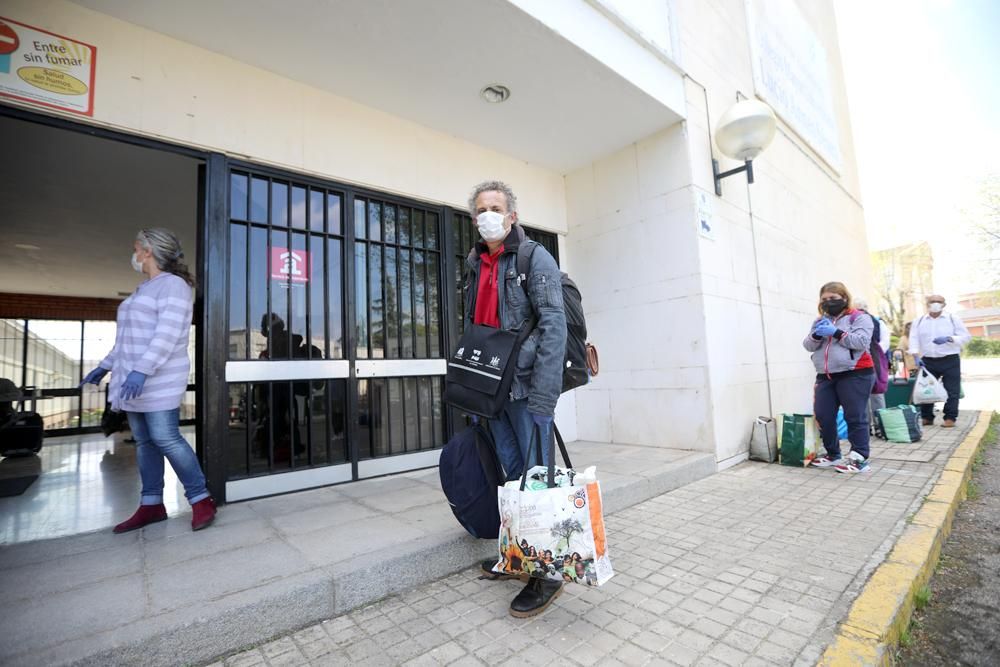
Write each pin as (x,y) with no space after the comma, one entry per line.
(9,40)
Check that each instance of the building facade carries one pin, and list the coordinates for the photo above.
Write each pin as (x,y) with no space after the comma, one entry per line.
(334,147)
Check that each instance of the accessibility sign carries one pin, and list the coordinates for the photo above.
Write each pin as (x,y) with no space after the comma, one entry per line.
(47,69)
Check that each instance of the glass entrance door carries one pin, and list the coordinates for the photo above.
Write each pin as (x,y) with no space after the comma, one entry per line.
(335,353)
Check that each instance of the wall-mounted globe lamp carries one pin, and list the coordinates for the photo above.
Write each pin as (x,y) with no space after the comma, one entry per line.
(742,133)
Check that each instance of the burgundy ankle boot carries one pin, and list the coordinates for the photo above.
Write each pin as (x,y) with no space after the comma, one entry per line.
(146,514)
(203,513)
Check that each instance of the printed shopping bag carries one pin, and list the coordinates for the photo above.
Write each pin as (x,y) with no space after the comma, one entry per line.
(928,389)
(799,439)
(763,440)
(898,424)
(552,526)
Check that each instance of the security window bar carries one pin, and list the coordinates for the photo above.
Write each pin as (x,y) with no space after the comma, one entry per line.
(397,277)
(285,302)
(400,415)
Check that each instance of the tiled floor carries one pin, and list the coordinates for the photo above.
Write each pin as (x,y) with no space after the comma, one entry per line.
(753,566)
(87,482)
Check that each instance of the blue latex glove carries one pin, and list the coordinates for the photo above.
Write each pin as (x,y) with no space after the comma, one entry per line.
(543,421)
(920,362)
(825,329)
(941,340)
(94,376)
(132,387)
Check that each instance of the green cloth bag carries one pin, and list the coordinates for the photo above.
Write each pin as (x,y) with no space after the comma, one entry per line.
(899,424)
(799,439)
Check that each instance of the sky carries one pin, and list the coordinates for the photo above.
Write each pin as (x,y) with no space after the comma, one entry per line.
(923,86)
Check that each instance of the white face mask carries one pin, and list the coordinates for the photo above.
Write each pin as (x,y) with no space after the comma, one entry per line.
(935,307)
(490,225)
(136,264)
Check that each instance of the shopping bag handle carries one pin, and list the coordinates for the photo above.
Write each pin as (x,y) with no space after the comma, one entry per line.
(537,441)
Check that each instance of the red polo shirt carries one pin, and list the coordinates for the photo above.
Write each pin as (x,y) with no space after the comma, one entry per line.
(488,296)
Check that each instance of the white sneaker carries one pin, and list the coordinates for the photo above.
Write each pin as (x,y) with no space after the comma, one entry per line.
(826,462)
(853,463)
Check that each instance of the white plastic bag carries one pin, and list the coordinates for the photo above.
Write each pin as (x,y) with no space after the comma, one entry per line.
(928,389)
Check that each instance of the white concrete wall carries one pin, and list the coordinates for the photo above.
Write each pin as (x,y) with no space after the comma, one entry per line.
(807,224)
(677,316)
(634,250)
(156,86)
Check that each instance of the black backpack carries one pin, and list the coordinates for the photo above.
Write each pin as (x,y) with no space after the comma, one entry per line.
(581,357)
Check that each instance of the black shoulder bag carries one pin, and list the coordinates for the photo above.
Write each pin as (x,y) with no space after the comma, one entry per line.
(481,370)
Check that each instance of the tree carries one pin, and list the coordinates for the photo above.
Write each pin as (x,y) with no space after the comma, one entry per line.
(565,529)
(985,225)
(892,308)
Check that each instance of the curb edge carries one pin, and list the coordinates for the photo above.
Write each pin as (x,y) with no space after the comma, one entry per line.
(882,610)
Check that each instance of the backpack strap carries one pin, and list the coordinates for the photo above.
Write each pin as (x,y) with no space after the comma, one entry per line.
(523,265)
(524,253)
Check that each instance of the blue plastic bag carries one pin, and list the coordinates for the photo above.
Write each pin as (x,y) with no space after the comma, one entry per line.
(841,425)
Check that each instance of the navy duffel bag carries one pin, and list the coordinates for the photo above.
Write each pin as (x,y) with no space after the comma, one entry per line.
(470,474)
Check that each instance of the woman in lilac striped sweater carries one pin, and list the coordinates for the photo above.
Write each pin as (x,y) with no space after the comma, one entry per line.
(149,373)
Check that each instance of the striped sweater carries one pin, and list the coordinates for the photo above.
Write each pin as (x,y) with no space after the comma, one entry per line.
(152,338)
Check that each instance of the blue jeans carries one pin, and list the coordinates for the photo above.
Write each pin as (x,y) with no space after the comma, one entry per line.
(512,432)
(851,392)
(157,435)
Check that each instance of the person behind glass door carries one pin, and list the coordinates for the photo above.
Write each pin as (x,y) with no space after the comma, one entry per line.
(149,374)
(936,341)
(282,414)
(495,297)
(845,375)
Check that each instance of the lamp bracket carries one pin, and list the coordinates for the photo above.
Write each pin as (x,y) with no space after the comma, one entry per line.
(747,167)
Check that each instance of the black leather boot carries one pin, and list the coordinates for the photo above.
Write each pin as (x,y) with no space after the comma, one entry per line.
(535,597)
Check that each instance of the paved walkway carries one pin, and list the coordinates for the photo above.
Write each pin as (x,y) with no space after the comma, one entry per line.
(167,596)
(753,566)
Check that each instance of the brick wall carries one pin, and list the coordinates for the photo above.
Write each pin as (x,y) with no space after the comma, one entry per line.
(51,307)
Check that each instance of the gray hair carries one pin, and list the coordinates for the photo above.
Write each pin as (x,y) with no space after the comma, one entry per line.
(167,251)
(861,302)
(493,186)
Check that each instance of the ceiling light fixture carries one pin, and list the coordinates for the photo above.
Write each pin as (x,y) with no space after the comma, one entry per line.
(26,246)
(495,93)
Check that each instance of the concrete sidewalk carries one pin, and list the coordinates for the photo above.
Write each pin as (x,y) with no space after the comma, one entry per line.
(167,596)
(757,565)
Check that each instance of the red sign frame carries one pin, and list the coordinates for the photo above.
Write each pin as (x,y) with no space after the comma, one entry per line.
(93,73)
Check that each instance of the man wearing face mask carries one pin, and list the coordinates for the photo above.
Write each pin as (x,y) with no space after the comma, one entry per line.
(936,341)
(496,297)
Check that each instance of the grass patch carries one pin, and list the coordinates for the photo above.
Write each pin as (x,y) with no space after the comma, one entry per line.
(906,639)
(922,597)
(971,490)
(943,562)
(910,518)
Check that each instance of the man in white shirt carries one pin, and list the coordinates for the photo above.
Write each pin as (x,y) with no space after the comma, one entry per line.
(936,339)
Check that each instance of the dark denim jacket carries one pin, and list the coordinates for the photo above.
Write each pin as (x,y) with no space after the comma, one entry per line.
(539,369)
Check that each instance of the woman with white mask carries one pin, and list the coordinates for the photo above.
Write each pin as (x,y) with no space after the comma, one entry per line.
(149,373)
